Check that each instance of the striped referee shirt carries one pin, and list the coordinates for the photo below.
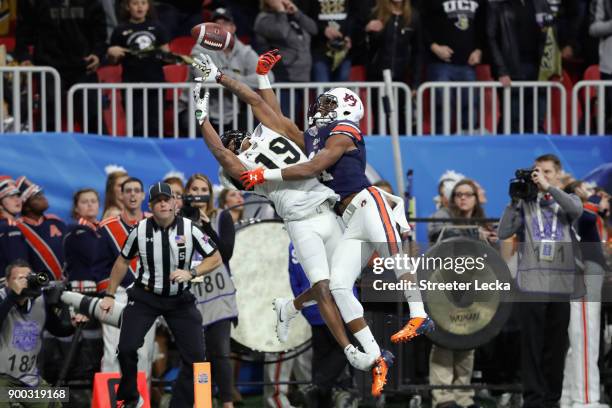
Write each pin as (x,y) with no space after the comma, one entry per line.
(164,250)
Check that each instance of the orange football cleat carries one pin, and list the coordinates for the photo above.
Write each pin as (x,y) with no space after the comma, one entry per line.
(379,372)
(415,327)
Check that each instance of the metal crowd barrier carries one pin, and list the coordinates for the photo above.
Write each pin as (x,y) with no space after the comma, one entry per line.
(585,96)
(114,106)
(483,107)
(31,99)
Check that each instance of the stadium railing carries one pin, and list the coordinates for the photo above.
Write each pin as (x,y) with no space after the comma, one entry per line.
(589,107)
(488,103)
(115,106)
(31,99)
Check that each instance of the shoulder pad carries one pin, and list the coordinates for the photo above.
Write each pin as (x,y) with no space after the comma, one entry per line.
(346,128)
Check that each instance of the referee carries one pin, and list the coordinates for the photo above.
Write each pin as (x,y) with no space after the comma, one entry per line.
(165,244)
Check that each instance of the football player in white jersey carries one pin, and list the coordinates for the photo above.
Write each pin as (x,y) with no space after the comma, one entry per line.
(305,206)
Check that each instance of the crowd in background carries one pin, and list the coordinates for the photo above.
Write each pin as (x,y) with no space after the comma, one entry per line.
(324,40)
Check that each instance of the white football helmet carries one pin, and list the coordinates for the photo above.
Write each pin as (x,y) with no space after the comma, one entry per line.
(337,104)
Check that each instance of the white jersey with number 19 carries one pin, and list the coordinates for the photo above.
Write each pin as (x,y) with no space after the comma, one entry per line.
(293,200)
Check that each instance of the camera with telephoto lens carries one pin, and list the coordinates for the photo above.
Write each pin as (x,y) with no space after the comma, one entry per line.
(36,282)
(522,186)
(190,212)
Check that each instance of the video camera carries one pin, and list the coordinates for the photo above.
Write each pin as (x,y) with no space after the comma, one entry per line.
(522,186)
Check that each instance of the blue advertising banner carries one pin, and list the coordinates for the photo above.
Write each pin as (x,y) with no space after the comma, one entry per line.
(63,163)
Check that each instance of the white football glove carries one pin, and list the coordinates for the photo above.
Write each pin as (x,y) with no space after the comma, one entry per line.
(201,103)
(207,68)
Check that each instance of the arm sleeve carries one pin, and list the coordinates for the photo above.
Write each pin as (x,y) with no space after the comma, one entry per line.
(96,26)
(202,243)
(25,34)
(227,236)
(570,203)
(511,221)
(426,15)
(307,23)
(497,58)
(600,26)
(6,305)
(418,51)
(130,247)
(272,26)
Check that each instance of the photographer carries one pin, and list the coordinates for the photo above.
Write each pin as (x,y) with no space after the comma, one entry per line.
(24,314)
(542,219)
(215,294)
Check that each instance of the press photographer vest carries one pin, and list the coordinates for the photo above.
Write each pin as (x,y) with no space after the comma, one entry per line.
(559,275)
(21,340)
(215,292)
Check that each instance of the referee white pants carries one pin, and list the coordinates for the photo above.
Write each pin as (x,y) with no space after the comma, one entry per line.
(110,335)
(369,227)
(581,388)
(275,396)
(315,239)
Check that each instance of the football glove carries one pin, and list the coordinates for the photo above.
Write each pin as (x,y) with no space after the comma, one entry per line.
(266,61)
(251,178)
(208,70)
(201,102)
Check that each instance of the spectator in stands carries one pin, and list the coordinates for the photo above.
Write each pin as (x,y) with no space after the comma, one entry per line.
(81,245)
(231,198)
(332,43)
(602,28)
(517,33)
(135,43)
(581,375)
(215,294)
(455,367)
(113,205)
(283,26)
(12,243)
(393,38)
(239,63)
(176,182)
(115,231)
(454,35)
(394,41)
(359,54)
(69,36)
(178,16)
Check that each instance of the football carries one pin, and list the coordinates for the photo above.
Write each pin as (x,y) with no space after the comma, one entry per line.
(212,36)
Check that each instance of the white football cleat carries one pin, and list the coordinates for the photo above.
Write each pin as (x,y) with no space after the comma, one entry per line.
(283,317)
(359,359)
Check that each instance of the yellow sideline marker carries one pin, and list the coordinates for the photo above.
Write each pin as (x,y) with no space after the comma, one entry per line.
(202,385)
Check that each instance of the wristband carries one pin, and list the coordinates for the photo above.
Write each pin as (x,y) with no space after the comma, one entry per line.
(263,82)
(109,295)
(273,175)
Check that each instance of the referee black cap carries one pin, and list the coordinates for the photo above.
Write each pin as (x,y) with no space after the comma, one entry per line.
(159,189)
